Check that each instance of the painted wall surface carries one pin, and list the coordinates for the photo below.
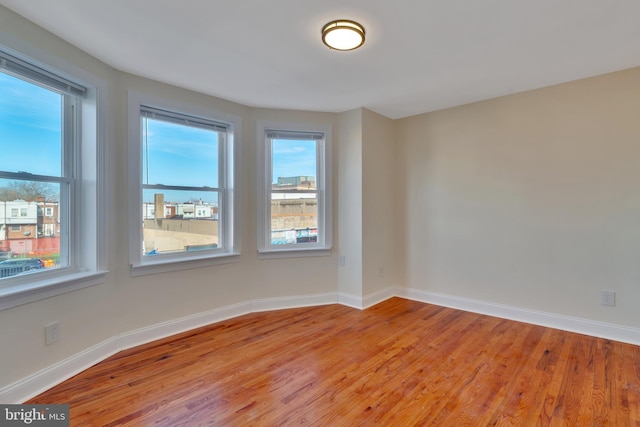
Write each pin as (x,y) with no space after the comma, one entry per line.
(349,197)
(380,222)
(90,316)
(529,200)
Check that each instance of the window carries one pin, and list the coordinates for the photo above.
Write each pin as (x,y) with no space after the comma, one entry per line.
(49,230)
(294,199)
(182,161)
(48,212)
(49,141)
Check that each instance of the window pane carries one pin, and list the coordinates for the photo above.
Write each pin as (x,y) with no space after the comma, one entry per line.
(294,202)
(179,155)
(29,240)
(177,221)
(30,128)
(294,218)
(293,164)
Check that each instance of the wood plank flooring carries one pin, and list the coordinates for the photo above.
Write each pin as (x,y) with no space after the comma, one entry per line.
(399,363)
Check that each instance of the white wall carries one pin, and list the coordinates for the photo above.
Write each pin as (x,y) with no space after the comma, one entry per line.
(368,221)
(530,200)
(381,224)
(349,195)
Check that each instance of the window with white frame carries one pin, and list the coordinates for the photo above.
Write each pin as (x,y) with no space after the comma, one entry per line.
(294,197)
(182,186)
(49,142)
(49,230)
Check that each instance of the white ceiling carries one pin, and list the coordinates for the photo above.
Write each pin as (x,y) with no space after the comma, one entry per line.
(419,56)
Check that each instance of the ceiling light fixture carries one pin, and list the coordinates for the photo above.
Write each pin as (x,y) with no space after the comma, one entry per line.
(343,35)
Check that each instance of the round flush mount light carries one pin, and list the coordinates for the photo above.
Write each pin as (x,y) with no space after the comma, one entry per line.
(343,35)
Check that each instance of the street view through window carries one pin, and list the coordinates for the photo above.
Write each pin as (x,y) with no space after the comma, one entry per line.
(294,195)
(32,179)
(181,183)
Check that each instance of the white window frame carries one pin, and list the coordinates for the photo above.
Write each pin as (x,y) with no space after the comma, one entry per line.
(229,197)
(86,155)
(323,186)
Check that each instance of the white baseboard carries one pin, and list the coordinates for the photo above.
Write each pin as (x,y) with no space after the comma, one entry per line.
(367,301)
(378,296)
(350,300)
(38,382)
(557,321)
(279,303)
(43,380)
(172,327)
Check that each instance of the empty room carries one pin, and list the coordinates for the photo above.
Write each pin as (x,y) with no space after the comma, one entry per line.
(333,213)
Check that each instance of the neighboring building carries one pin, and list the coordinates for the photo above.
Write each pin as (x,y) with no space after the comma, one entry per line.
(30,227)
(170,226)
(289,183)
(19,219)
(198,210)
(48,218)
(296,182)
(294,210)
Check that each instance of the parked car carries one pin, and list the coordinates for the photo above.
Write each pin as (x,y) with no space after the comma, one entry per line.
(13,267)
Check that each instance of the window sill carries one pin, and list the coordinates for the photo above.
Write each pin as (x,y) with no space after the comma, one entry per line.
(23,293)
(168,265)
(293,253)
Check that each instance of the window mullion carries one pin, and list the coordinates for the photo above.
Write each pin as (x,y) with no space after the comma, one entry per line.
(320,186)
(25,176)
(70,236)
(179,187)
(223,183)
(269,190)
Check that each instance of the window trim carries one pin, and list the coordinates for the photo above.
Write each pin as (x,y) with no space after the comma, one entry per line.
(91,229)
(323,188)
(139,265)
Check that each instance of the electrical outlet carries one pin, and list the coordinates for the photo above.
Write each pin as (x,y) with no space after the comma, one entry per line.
(380,272)
(608,298)
(341,260)
(51,333)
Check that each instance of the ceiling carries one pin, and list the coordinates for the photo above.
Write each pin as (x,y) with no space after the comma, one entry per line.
(419,56)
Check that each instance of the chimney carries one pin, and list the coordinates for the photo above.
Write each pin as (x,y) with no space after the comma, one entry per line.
(158,201)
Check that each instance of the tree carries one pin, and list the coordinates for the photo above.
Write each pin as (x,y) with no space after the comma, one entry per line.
(28,191)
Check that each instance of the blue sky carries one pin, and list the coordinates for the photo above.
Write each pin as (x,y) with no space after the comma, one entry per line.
(30,130)
(30,141)
(293,158)
(179,155)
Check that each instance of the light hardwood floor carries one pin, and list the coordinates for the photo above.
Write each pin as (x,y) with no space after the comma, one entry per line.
(399,363)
